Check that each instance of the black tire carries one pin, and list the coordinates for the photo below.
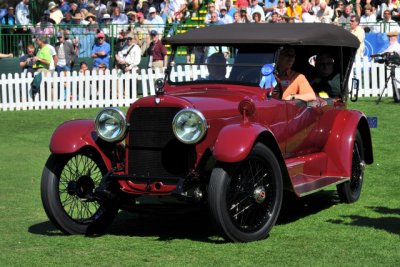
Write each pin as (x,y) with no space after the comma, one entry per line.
(67,181)
(245,198)
(350,191)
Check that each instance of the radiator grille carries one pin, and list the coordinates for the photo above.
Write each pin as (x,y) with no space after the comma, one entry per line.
(153,149)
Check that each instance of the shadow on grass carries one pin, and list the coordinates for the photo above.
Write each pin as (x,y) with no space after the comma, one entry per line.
(295,208)
(389,224)
(167,225)
(195,224)
(45,228)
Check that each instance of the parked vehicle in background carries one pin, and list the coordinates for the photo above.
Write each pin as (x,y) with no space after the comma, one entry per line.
(228,142)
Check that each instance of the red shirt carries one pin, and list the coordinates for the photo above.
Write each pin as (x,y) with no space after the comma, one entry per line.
(158,51)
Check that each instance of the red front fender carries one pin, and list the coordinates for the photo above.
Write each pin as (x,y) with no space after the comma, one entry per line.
(71,136)
(235,141)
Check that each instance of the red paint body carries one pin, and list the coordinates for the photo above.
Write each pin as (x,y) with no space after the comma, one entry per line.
(315,141)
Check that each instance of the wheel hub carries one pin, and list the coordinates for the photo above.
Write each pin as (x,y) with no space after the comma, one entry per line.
(82,187)
(259,194)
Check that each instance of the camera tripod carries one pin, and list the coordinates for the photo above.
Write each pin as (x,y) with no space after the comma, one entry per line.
(392,77)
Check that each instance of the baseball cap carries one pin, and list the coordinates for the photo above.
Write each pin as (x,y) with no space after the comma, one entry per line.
(153,32)
(100,35)
(59,34)
(152,10)
(223,8)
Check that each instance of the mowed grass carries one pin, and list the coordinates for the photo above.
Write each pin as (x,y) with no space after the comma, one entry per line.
(316,230)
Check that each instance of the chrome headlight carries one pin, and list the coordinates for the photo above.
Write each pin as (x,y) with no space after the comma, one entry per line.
(111,124)
(189,126)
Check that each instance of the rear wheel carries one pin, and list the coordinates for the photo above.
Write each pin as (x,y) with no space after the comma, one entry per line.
(245,199)
(67,187)
(350,191)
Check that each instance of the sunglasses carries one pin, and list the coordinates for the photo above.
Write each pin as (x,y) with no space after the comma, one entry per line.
(352,21)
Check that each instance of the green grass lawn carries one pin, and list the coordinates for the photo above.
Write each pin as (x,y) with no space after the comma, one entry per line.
(316,230)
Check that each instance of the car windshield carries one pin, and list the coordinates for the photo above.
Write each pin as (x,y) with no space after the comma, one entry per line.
(220,64)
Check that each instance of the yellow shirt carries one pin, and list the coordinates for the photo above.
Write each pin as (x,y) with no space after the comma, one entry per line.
(291,13)
(360,34)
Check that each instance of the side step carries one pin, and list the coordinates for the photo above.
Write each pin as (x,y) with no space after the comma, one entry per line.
(309,173)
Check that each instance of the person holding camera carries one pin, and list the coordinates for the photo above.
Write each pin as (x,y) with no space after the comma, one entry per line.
(26,61)
(129,58)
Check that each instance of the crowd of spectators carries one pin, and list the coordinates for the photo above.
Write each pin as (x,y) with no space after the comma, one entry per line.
(86,28)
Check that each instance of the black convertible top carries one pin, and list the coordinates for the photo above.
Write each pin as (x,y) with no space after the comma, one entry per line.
(268,33)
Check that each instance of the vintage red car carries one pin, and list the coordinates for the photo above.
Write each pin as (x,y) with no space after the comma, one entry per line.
(228,143)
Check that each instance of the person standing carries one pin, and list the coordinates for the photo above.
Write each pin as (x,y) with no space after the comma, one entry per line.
(43,55)
(23,22)
(26,61)
(101,52)
(22,14)
(129,58)
(65,54)
(358,31)
(8,30)
(157,52)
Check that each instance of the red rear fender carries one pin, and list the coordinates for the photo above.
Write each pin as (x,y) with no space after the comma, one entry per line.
(339,145)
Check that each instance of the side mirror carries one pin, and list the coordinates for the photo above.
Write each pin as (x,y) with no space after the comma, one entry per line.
(159,85)
(354,86)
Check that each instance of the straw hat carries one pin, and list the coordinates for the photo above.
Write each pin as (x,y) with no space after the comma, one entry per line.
(90,15)
(390,34)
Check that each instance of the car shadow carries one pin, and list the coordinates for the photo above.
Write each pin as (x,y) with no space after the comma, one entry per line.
(390,224)
(194,224)
(295,208)
(45,228)
(187,224)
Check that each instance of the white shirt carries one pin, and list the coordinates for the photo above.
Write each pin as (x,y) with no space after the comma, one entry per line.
(256,8)
(21,14)
(134,56)
(53,53)
(393,47)
(390,26)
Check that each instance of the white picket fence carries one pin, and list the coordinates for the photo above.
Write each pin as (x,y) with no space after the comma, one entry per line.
(113,88)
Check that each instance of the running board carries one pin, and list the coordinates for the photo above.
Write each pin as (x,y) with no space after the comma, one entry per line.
(309,173)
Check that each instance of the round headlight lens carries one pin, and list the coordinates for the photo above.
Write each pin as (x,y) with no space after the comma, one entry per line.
(189,126)
(111,124)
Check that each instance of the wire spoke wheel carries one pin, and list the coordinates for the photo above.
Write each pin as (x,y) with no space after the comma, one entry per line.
(251,196)
(245,198)
(80,176)
(67,187)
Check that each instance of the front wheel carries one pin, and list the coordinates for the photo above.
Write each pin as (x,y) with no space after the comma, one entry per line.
(67,187)
(245,198)
(350,191)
